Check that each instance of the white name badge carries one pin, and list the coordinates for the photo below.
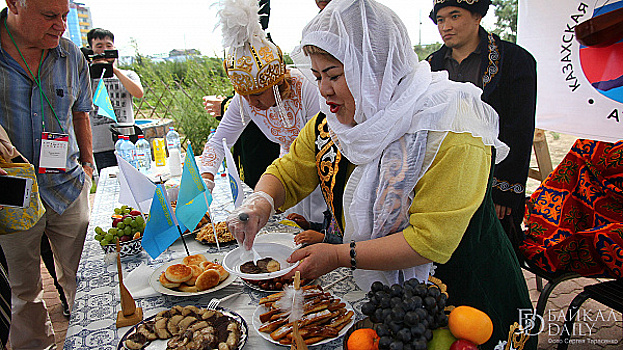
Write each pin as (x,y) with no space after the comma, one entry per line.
(53,156)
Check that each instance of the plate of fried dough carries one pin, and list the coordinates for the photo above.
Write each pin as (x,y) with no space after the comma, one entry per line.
(191,275)
(326,318)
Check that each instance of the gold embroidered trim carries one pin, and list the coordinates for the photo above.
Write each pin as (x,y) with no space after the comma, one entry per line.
(327,161)
(494,59)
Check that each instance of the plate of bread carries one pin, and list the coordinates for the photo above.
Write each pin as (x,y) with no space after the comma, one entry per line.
(191,275)
(326,318)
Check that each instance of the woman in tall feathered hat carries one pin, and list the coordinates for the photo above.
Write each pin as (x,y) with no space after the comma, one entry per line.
(277,99)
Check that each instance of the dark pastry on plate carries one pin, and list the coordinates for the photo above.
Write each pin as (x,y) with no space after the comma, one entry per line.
(265,265)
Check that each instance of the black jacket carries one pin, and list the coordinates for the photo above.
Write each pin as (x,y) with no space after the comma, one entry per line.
(509,80)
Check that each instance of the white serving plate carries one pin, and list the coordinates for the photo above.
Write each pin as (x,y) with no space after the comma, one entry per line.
(256,323)
(154,280)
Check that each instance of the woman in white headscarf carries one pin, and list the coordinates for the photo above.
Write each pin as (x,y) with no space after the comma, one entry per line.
(403,157)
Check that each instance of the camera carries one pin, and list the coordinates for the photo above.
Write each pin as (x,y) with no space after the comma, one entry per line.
(98,68)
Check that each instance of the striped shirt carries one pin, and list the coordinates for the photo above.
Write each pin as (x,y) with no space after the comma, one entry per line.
(66,83)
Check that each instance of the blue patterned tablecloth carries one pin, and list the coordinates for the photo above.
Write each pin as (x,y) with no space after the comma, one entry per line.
(92,323)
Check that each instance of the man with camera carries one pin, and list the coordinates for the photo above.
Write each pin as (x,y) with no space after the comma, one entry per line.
(122,85)
(45,98)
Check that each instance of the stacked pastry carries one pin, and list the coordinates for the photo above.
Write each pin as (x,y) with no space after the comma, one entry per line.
(188,328)
(324,315)
(195,274)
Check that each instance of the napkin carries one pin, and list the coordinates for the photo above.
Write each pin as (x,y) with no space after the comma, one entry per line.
(137,282)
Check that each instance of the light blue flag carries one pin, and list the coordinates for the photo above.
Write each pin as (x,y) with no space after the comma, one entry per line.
(102,100)
(193,198)
(234,180)
(161,229)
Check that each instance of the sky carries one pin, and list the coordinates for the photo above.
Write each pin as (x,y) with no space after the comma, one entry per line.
(159,26)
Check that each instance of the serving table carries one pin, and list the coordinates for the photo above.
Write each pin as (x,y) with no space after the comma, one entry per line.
(92,323)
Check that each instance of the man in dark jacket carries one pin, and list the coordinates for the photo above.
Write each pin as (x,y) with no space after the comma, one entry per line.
(507,75)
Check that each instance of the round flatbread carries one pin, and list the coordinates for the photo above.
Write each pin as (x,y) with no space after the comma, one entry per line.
(188,289)
(194,259)
(208,279)
(166,283)
(196,272)
(178,273)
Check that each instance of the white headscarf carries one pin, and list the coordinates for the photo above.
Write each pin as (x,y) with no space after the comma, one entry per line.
(397,100)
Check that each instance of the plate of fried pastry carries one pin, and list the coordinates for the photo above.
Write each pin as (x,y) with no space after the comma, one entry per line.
(188,327)
(191,275)
(326,317)
(205,234)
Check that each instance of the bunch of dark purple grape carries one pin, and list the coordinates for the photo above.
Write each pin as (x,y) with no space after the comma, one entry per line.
(405,315)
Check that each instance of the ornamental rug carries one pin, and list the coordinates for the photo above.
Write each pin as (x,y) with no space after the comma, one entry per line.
(575,218)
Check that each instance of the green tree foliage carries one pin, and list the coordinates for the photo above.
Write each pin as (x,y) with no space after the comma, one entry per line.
(174,89)
(506,14)
(423,51)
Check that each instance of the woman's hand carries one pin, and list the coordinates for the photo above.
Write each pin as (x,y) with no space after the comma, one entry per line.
(208,179)
(245,221)
(308,237)
(212,104)
(316,260)
(299,220)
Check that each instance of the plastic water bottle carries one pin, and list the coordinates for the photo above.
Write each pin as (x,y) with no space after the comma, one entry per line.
(118,144)
(143,154)
(128,151)
(175,152)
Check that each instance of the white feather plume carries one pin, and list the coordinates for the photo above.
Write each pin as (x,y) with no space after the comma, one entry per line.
(239,21)
(291,302)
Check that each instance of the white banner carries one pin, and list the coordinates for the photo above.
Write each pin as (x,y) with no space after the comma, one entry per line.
(580,89)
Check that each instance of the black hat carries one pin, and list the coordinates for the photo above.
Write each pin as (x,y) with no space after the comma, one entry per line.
(477,6)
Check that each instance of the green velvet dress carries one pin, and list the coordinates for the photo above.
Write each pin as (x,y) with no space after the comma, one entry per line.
(484,273)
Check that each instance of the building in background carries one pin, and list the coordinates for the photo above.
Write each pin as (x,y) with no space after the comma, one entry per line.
(78,23)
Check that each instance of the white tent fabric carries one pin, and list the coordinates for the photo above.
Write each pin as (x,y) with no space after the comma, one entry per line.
(580,89)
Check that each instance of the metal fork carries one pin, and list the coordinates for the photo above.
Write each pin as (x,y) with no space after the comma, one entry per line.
(215,301)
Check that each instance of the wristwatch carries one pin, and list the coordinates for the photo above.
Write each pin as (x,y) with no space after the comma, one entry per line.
(89,164)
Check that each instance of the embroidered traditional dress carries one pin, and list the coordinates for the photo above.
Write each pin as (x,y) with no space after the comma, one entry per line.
(419,147)
(481,270)
(575,221)
(301,107)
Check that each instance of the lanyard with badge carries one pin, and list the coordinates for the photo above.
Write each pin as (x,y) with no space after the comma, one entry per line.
(54,146)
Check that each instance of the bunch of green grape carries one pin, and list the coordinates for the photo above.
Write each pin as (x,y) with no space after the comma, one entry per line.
(127,224)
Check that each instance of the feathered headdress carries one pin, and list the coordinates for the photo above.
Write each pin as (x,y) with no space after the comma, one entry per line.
(253,63)
(239,21)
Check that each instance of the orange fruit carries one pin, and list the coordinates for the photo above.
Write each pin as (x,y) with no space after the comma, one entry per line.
(466,322)
(363,339)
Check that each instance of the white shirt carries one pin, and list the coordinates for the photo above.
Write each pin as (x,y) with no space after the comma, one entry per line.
(304,105)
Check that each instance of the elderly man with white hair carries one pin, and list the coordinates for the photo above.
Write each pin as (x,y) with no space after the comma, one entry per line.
(44,103)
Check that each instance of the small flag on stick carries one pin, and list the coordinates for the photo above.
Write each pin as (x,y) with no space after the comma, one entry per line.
(232,174)
(162,228)
(137,190)
(102,100)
